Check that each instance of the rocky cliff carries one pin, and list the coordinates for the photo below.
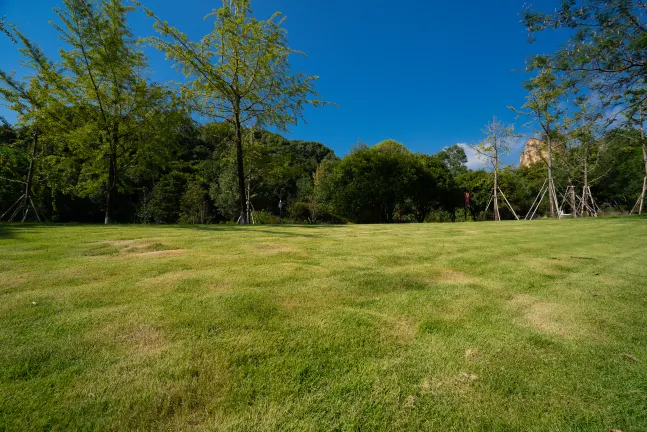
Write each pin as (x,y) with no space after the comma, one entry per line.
(534,152)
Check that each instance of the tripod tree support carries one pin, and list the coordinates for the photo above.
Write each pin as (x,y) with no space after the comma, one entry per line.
(638,207)
(22,205)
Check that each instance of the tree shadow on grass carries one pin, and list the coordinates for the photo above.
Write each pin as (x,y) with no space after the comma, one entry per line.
(256,229)
(12,230)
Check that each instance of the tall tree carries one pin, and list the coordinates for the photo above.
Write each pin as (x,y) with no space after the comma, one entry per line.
(543,107)
(495,145)
(581,138)
(240,73)
(32,102)
(120,113)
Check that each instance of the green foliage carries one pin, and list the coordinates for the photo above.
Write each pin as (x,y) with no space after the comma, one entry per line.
(107,123)
(166,200)
(455,159)
(617,178)
(606,48)
(384,183)
(194,205)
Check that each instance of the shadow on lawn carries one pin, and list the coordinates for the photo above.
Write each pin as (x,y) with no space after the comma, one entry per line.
(11,230)
(256,229)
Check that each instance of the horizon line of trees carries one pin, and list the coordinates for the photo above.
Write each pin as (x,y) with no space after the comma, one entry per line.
(97,140)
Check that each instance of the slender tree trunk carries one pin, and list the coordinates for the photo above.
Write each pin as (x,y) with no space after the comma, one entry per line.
(112,180)
(30,176)
(551,185)
(644,191)
(585,210)
(244,214)
(497,216)
(571,193)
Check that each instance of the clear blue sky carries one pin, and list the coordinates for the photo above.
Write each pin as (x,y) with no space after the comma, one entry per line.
(429,74)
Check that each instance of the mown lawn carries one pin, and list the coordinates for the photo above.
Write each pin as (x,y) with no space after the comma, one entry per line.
(526,326)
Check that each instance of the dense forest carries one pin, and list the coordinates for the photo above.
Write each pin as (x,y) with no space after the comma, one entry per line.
(97,141)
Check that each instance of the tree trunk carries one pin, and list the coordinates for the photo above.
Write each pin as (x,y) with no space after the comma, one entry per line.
(112,180)
(30,176)
(551,185)
(244,215)
(644,191)
(585,210)
(572,198)
(497,216)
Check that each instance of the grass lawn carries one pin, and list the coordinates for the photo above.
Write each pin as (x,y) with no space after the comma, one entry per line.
(526,326)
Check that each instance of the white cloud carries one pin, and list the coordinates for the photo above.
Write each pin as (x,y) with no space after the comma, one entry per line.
(473,160)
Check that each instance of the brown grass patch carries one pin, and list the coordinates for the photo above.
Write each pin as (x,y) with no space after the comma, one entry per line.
(552,318)
(143,339)
(462,383)
(274,248)
(453,276)
(162,253)
(472,354)
(547,266)
(446,276)
(402,328)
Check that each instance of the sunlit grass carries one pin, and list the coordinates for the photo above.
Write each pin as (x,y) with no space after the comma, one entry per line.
(511,326)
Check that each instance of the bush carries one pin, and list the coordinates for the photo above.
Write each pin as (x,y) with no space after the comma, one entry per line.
(265,218)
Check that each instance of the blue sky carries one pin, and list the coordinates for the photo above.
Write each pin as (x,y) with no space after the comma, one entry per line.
(427,73)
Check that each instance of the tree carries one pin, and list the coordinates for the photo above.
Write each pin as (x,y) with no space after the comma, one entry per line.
(606,53)
(620,163)
(606,50)
(118,121)
(545,92)
(4,28)
(579,147)
(455,159)
(126,118)
(432,187)
(639,123)
(32,102)
(495,145)
(240,73)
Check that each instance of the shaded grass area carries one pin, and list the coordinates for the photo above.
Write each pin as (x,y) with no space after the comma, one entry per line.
(510,326)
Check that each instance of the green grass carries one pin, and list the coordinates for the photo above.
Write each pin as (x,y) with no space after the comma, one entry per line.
(497,327)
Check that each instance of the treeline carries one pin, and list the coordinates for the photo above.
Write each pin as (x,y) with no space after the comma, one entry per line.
(298,181)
